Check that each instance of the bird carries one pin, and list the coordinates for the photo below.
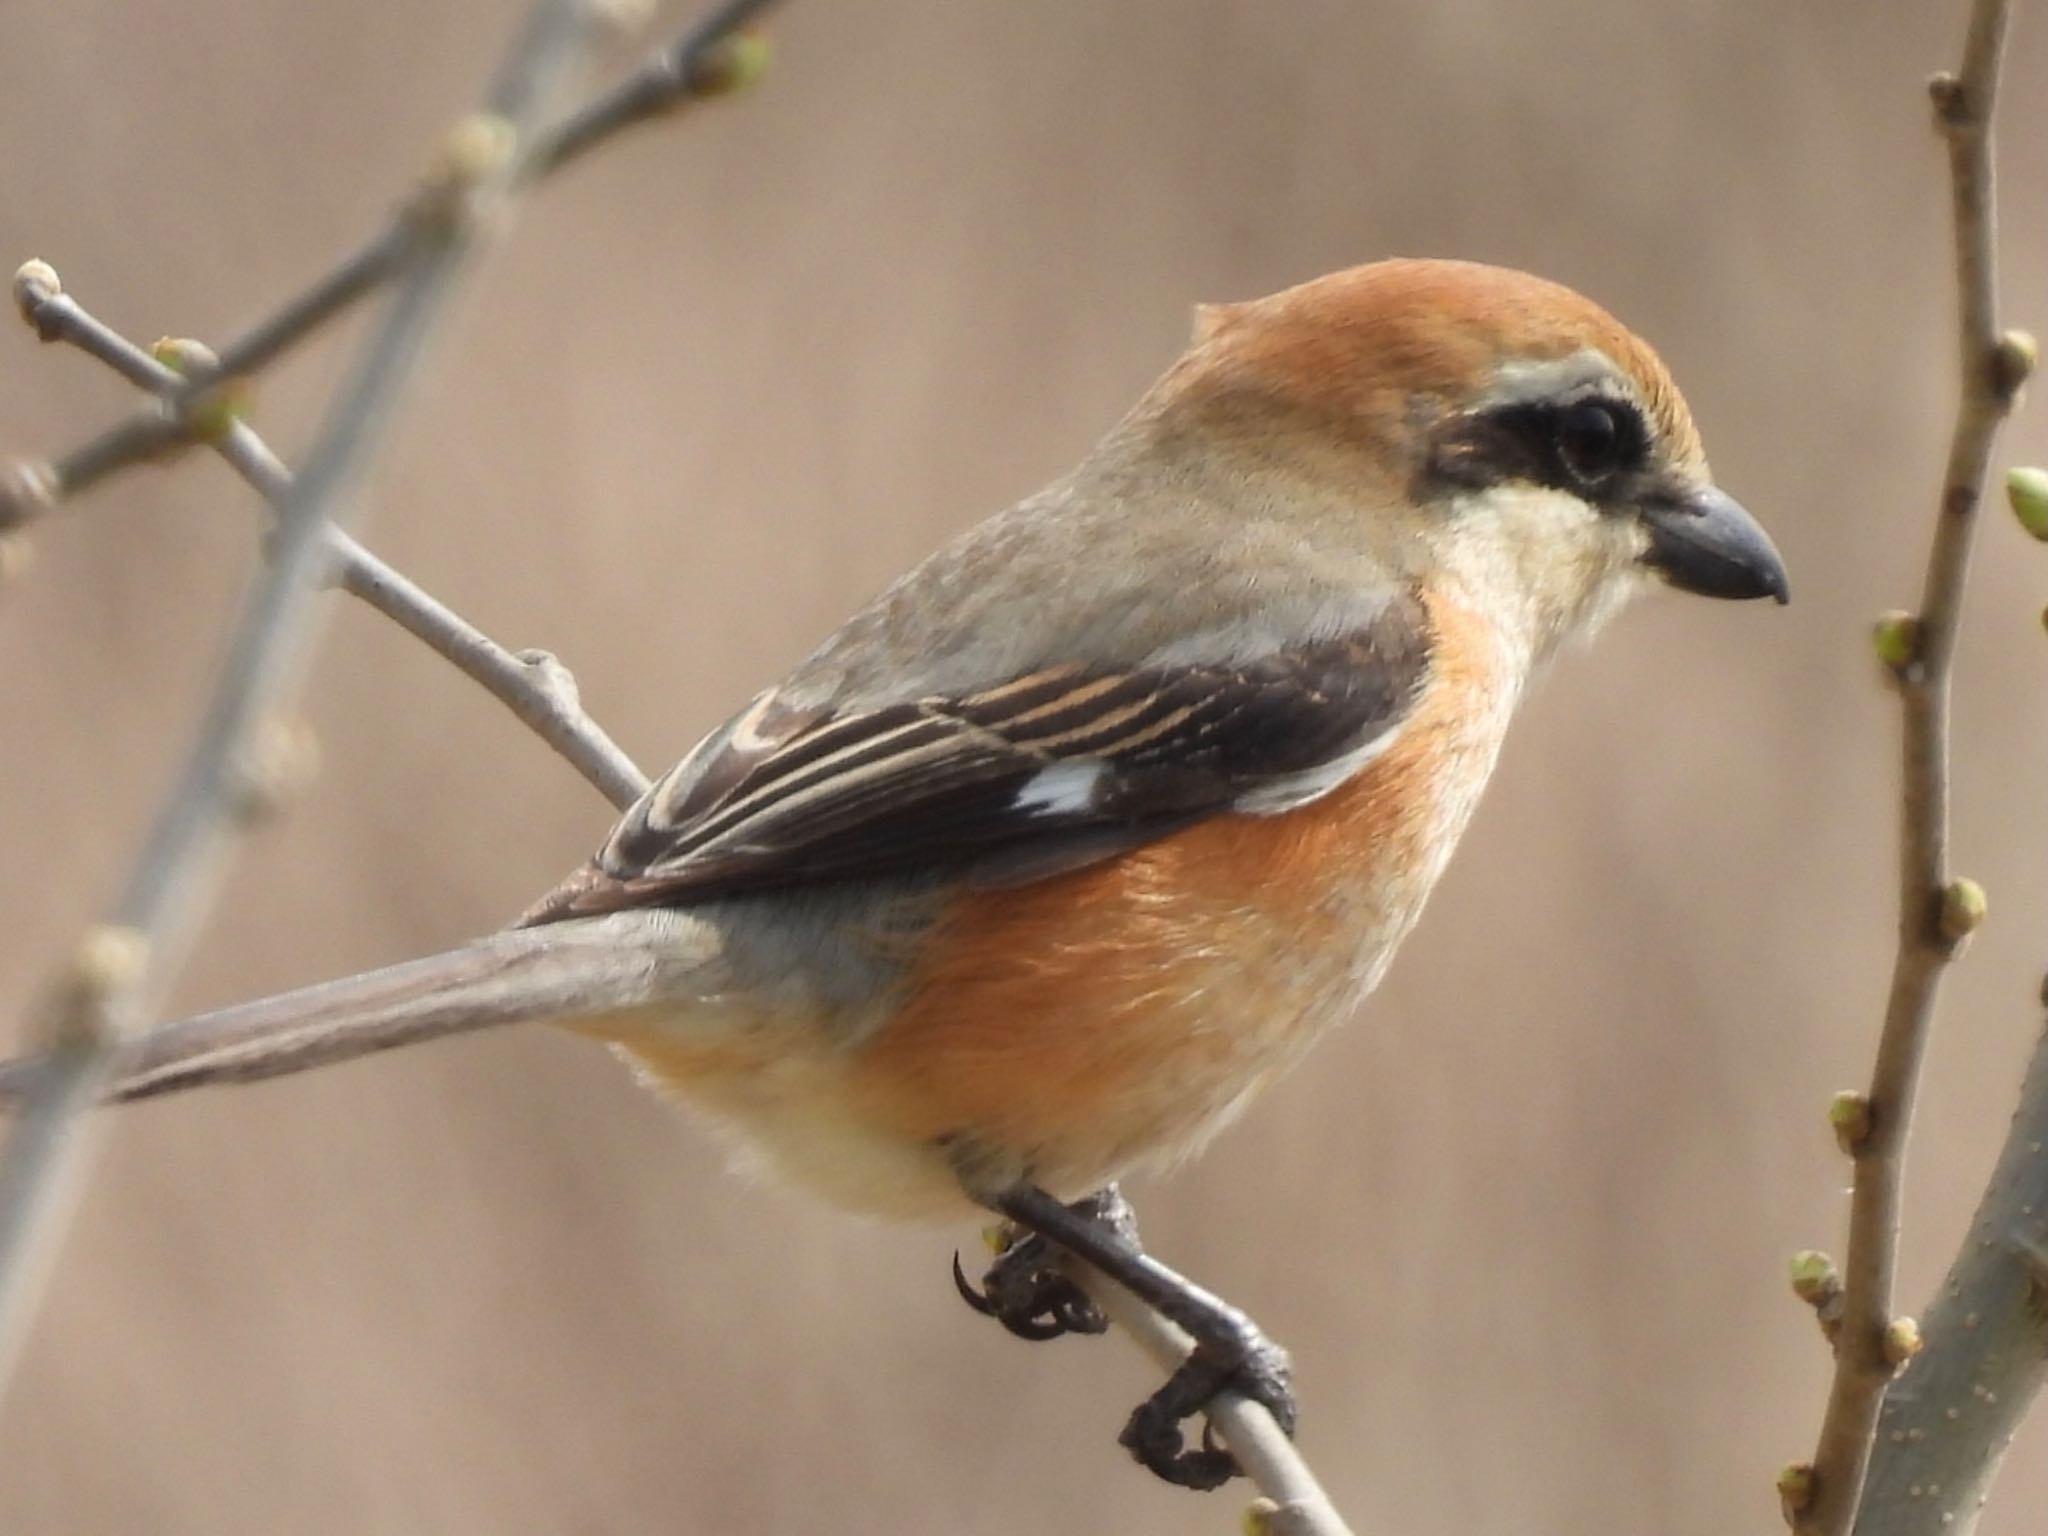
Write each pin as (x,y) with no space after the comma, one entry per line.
(1055,854)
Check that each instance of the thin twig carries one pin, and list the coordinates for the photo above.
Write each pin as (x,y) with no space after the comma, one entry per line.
(689,69)
(120,975)
(1294,1501)
(707,61)
(1992,370)
(538,689)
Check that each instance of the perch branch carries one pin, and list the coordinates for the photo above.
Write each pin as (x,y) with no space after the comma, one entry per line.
(532,684)
(126,965)
(1933,914)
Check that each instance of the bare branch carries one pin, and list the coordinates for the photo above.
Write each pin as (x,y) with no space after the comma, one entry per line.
(128,963)
(1933,910)
(536,687)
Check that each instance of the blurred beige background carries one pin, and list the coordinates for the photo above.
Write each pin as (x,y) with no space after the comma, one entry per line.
(1524,1225)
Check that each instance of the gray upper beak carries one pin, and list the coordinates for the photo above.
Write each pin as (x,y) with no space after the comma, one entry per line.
(1701,540)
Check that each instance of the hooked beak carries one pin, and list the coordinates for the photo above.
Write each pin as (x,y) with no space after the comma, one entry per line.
(1703,541)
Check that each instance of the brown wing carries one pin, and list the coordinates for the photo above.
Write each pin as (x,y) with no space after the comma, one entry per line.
(1061,767)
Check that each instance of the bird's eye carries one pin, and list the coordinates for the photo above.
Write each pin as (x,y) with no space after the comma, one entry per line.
(1594,439)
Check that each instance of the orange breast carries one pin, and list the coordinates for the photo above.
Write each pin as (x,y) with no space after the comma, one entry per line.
(1126,1010)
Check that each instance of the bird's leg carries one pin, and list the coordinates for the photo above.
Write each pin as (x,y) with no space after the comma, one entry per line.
(1230,1352)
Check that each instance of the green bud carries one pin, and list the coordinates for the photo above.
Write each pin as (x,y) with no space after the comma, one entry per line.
(1795,1486)
(1849,1115)
(2012,363)
(733,63)
(1896,636)
(1902,1341)
(2026,489)
(1815,1280)
(1963,906)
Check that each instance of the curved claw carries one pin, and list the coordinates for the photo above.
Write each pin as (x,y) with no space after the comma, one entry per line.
(969,1293)
(1029,1296)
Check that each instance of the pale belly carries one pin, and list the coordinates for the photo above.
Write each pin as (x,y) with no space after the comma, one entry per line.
(1180,1025)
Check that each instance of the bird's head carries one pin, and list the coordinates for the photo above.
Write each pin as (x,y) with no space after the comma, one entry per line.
(1482,426)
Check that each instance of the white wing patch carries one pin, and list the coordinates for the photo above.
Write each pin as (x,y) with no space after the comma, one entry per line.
(1298,789)
(1064,789)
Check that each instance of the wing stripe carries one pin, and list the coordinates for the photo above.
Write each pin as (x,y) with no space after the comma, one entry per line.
(843,796)
(885,749)
(1028,686)
(1078,699)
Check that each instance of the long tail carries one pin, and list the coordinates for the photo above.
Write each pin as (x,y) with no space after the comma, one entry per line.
(561,971)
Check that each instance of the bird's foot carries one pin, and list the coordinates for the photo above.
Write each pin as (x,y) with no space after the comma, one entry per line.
(1251,1364)
(1231,1354)
(1027,1290)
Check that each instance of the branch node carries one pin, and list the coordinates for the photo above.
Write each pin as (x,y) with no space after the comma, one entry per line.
(732,64)
(1817,1282)
(2012,364)
(108,962)
(1963,907)
(181,354)
(1951,101)
(36,288)
(1896,638)
(1270,1517)
(554,679)
(209,415)
(1795,1488)
(1902,1341)
(472,157)
(274,769)
(1849,1115)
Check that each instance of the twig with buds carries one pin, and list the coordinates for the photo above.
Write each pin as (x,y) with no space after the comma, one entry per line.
(122,967)
(532,684)
(1936,911)
(715,57)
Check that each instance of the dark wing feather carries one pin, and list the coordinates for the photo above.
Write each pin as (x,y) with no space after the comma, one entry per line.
(1045,772)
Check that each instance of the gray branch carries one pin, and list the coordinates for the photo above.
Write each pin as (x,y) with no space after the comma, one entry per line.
(536,687)
(120,974)
(1948,1419)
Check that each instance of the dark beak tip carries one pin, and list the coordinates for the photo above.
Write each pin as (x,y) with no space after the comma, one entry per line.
(1709,545)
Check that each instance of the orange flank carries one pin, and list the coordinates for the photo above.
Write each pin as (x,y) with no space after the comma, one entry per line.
(1135,1004)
